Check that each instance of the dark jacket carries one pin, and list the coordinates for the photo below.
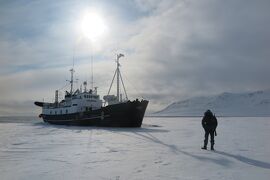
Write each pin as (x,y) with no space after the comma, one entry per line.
(209,121)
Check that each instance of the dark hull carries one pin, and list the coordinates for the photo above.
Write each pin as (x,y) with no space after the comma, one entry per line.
(128,114)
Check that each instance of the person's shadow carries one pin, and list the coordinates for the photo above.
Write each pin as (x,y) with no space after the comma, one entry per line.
(246,160)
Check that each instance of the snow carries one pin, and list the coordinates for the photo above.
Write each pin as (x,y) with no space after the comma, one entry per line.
(225,104)
(164,148)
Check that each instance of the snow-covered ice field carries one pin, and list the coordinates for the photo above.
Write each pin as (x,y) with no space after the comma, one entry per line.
(164,148)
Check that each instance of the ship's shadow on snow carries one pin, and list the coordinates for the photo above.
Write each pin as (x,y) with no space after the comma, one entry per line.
(145,128)
(147,136)
(222,161)
(146,133)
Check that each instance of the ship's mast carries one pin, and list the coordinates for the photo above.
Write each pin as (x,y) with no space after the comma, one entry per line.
(118,75)
(71,80)
(118,78)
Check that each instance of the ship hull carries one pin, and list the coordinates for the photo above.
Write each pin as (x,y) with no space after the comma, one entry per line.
(127,114)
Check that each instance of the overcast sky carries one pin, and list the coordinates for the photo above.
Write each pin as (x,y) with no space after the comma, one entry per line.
(174,49)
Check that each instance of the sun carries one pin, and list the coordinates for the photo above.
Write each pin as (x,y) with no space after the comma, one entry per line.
(92,25)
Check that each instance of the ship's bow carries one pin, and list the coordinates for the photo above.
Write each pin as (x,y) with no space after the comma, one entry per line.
(126,114)
(137,116)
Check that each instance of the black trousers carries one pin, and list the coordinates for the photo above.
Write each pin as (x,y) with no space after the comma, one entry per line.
(212,137)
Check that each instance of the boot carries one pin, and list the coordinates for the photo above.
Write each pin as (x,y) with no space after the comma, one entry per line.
(204,147)
(212,147)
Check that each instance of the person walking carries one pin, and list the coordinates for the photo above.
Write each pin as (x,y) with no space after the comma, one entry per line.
(209,123)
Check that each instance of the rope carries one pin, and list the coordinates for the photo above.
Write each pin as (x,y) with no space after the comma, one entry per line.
(63,87)
(112,82)
(140,94)
(123,85)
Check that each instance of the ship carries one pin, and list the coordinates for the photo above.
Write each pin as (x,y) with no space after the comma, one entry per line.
(83,107)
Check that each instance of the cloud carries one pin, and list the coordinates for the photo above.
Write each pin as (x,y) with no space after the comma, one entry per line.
(174,49)
(205,47)
(18,108)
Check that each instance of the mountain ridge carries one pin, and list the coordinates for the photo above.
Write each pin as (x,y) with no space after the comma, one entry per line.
(255,103)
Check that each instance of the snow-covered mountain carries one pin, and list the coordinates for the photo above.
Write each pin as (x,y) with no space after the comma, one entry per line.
(225,104)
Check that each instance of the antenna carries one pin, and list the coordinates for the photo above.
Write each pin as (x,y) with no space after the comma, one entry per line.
(92,75)
(73,57)
(73,61)
(72,72)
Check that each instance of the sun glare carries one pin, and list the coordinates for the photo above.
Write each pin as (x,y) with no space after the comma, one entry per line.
(92,25)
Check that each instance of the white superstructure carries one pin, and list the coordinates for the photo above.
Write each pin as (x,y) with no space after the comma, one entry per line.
(85,100)
(74,102)
(77,102)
